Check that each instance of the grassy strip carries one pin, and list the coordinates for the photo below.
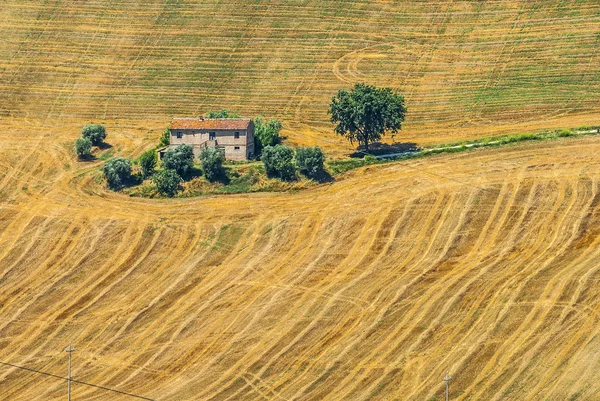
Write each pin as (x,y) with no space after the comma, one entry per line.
(337,167)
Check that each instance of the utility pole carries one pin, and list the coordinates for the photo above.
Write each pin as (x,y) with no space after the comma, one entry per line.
(447,379)
(70,350)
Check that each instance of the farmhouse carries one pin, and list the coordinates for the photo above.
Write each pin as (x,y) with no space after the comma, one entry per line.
(234,136)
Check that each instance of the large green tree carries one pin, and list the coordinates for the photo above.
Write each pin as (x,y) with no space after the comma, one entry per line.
(365,113)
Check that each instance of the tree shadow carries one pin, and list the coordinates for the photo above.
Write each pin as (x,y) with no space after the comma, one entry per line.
(322,177)
(192,173)
(90,158)
(104,146)
(133,180)
(380,149)
(222,177)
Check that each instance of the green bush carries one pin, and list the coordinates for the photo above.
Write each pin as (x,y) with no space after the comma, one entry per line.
(565,133)
(83,147)
(310,161)
(167,182)
(278,162)
(117,171)
(95,133)
(148,162)
(180,159)
(165,138)
(212,163)
(222,114)
(266,133)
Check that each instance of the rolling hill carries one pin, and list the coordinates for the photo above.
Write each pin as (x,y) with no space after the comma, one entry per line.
(484,263)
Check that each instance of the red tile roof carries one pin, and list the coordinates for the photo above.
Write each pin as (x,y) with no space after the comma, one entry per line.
(212,123)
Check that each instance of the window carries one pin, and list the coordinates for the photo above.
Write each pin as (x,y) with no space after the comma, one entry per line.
(179,134)
(236,135)
(212,136)
(236,147)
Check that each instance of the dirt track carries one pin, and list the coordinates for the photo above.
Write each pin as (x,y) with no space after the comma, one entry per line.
(366,289)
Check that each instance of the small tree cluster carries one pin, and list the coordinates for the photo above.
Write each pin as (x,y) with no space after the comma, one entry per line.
(117,171)
(91,135)
(212,163)
(310,161)
(180,159)
(176,162)
(278,161)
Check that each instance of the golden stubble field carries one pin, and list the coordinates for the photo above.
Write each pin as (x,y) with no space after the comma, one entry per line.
(467,68)
(484,263)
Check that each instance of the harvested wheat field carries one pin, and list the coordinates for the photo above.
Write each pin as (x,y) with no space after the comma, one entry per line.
(483,263)
(467,68)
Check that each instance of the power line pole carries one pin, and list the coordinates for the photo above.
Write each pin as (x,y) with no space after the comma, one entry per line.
(70,350)
(447,379)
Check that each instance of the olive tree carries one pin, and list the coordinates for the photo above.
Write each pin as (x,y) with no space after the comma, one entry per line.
(167,182)
(117,171)
(366,113)
(310,161)
(266,133)
(95,132)
(180,159)
(212,163)
(278,161)
(83,147)
(148,162)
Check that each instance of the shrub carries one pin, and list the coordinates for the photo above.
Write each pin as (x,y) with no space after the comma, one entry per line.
(222,114)
(165,138)
(278,162)
(310,161)
(180,159)
(148,162)
(167,182)
(212,163)
(83,147)
(565,133)
(95,132)
(117,171)
(266,133)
